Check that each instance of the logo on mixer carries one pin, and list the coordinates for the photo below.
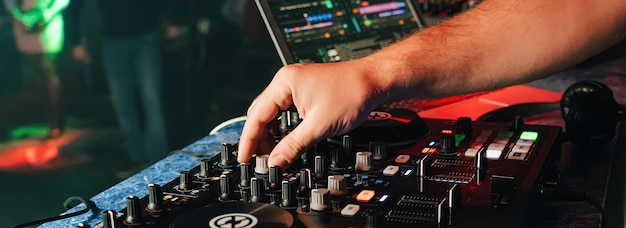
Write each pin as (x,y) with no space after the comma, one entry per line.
(233,220)
(377,116)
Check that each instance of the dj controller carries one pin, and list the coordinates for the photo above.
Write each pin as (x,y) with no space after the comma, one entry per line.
(395,170)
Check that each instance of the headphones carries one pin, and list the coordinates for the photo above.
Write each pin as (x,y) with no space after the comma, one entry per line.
(590,113)
(588,108)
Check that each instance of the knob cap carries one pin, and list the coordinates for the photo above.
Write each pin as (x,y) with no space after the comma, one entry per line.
(205,168)
(378,150)
(185,180)
(133,210)
(305,180)
(226,155)
(275,177)
(155,197)
(257,190)
(363,161)
(289,195)
(337,185)
(261,164)
(447,144)
(245,173)
(319,167)
(225,187)
(108,219)
(320,199)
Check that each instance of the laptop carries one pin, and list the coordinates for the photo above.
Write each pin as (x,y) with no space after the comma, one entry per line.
(321,31)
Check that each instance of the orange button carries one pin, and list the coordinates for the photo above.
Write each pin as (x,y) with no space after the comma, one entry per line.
(365,196)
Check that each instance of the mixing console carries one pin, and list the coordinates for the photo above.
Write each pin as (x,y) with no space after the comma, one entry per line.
(396,170)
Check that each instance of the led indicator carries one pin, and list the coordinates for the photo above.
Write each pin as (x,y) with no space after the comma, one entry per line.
(367,22)
(408,172)
(446,131)
(529,135)
(383,198)
(329,4)
(431,143)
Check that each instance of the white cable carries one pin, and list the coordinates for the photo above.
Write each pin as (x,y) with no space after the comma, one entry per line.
(226,123)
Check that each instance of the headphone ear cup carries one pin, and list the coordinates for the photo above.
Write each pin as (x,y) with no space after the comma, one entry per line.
(590,113)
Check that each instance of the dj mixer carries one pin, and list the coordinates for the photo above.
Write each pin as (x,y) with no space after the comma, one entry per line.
(395,170)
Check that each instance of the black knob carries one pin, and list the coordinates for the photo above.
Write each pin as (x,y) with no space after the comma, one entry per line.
(374,219)
(289,195)
(133,210)
(347,144)
(275,177)
(226,155)
(305,180)
(185,180)
(378,150)
(245,170)
(319,167)
(108,219)
(205,168)
(155,197)
(447,143)
(288,121)
(225,187)
(517,125)
(257,190)
(336,157)
(464,127)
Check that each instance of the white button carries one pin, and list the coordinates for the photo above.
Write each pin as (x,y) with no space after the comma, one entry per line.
(524,142)
(391,170)
(520,148)
(496,146)
(494,154)
(350,210)
(476,145)
(471,152)
(516,156)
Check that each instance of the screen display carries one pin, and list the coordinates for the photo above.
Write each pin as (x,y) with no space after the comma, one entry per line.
(337,30)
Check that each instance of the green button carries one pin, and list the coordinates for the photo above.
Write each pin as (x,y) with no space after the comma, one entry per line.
(529,135)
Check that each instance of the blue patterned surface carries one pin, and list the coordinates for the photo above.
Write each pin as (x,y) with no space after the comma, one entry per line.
(161,173)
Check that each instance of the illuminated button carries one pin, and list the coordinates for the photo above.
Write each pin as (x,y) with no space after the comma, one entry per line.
(402,159)
(496,146)
(432,150)
(529,135)
(476,145)
(520,148)
(524,142)
(471,152)
(486,132)
(517,156)
(365,196)
(425,150)
(391,170)
(482,138)
(350,210)
(494,154)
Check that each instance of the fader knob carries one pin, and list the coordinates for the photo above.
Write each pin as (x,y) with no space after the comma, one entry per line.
(363,161)
(337,185)
(133,210)
(261,164)
(319,167)
(155,197)
(320,199)
(288,195)
(257,190)
(226,155)
(185,180)
(108,219)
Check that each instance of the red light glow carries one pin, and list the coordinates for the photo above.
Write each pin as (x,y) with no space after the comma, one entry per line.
(34,153)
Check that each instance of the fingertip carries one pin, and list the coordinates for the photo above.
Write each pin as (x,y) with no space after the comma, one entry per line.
(278,160)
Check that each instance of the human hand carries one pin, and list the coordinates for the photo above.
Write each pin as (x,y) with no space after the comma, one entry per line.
(332,99)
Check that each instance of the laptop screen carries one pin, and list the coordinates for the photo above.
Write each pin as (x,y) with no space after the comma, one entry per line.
(320,31)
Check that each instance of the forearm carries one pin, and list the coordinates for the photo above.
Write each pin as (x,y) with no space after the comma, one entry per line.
(499,43)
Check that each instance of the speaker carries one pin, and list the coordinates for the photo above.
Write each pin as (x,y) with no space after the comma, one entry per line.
(590,113)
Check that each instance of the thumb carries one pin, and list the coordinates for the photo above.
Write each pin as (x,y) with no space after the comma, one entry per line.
(295,143)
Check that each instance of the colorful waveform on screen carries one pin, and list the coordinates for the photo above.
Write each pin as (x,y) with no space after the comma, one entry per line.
(392,13)
(390,6)
(309,27)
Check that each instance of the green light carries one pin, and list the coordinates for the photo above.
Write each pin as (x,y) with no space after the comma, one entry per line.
(329,4)
(34,130)
(320,52)
(324,60)
(529,135)
(345,26)
(367,22)
(458,138)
